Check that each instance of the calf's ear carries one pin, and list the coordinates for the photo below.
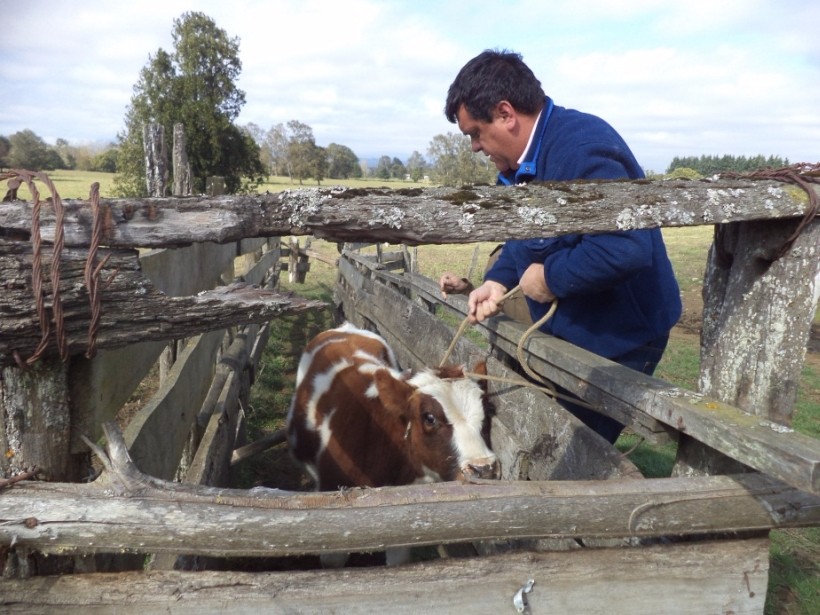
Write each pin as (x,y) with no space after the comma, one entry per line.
(481,368)
(393,393)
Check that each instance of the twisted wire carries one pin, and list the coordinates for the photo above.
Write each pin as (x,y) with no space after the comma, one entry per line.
(91,272)
(802,174)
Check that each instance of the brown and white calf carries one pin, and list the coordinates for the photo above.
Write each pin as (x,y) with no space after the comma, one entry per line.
(356,420)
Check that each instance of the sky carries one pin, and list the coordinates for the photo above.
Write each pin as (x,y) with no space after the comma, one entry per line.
(700,77)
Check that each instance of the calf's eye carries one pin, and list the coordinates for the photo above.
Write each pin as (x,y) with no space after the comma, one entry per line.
(429,419)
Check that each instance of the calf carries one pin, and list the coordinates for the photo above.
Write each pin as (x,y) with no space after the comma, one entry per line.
(356,420)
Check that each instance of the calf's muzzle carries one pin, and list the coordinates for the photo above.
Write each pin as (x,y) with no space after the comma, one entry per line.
(483,468)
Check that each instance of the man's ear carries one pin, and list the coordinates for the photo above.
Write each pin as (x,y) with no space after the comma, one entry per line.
(505,111)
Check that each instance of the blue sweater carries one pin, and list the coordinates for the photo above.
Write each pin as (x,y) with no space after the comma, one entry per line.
(616,291)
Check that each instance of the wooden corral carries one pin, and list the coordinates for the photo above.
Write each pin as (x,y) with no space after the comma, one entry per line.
(571,514)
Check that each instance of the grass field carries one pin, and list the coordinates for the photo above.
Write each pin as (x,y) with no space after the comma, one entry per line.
(77,184)
(795,556)
(73,185)
(277,184)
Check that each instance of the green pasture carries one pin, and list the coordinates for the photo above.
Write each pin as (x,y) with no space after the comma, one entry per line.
(77,184)
(279,183)
(71,185)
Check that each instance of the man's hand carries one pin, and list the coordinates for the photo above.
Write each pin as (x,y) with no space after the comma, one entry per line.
(483,301)
(451,283)
(534,285)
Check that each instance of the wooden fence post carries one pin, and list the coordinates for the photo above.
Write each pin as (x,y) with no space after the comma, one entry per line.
(757,318)
(215,186)
(36,421)
(298,264)
(35,432)
(181,166)
(156,163)
(181,187)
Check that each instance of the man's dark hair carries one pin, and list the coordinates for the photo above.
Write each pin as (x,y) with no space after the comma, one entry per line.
(489,78)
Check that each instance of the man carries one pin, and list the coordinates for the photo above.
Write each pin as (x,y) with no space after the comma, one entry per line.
(617,294)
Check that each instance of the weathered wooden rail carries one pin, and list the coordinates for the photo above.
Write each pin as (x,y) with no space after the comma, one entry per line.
(543,503)
(419,215)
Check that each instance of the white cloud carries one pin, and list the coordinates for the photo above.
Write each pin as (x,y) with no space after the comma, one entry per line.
(736,77)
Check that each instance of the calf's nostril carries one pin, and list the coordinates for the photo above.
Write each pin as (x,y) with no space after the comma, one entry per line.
(486,470)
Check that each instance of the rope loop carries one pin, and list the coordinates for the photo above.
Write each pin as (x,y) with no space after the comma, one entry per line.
(546,386)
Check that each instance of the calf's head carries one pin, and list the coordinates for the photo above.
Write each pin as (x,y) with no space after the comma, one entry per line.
(442,413)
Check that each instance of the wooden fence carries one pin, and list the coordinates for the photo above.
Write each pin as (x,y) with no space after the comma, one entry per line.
(565,488)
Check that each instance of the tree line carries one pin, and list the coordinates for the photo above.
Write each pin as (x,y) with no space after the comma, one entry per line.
(709,165)
(27,150)
(284,150)
(195,84)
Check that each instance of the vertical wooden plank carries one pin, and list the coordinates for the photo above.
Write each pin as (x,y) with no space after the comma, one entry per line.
(181,166)
(36,422)
(156,165)
(157,434)
(215,186)
(293,262)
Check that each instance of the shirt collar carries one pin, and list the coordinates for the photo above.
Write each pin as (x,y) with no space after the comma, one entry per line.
(523,157)
(529,159)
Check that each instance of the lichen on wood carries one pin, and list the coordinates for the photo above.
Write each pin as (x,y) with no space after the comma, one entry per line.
(423,215)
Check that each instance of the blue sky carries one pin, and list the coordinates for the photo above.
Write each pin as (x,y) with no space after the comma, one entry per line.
(737,77)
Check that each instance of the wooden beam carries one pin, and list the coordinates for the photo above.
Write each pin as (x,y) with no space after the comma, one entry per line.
(417,216)
(139,513)
(132,309)
(261,445)
(686,579)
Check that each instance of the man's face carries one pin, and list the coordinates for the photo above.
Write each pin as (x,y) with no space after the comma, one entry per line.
(493,138)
